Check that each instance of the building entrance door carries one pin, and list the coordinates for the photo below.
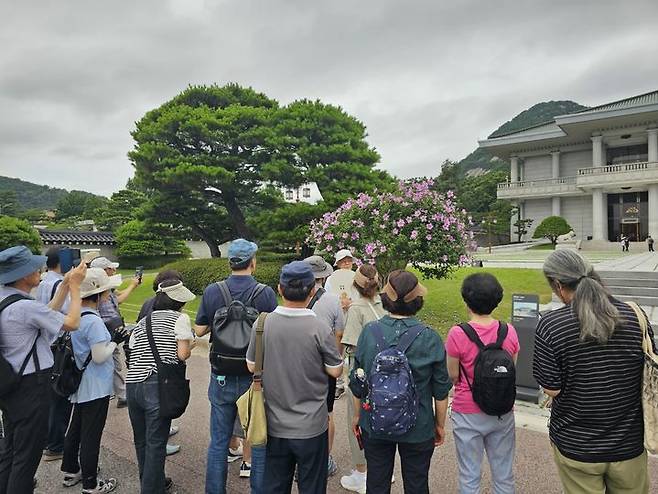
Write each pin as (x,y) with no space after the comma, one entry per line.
(631,229)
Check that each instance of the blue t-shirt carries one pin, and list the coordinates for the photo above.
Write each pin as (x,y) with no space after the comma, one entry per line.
(97,378)
(241,287)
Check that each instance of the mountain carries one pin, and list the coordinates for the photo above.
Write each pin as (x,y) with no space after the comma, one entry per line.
(32,196)
(481,161)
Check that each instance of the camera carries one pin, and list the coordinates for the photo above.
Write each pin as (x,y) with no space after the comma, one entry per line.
(68,259)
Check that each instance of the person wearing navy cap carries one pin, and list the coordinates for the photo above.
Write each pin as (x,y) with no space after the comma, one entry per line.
(227,386)
(27,329)
(300,354)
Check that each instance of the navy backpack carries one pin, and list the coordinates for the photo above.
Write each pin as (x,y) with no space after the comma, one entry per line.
(392,391)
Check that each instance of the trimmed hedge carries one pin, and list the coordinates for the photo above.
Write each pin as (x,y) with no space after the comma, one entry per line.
(199,273)
(149,262)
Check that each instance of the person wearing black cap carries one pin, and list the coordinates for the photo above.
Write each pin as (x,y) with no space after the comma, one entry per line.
(299,353)
(403,297)
(27,329)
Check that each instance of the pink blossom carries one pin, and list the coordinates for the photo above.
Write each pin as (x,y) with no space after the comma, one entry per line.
(395,231)
(429,226)
(429,237)
(400,223)
(414,234)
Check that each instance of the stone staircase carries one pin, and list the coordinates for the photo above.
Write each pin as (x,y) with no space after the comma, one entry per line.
(637,286)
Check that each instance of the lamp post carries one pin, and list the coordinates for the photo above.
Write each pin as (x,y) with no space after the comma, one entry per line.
(489,222)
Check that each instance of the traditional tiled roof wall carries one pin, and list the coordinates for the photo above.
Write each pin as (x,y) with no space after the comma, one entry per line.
(50,237)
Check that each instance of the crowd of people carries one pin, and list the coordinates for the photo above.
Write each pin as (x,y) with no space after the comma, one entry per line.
(330,332)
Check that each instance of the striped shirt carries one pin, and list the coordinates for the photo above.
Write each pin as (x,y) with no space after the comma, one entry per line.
(597,417)
(168,326)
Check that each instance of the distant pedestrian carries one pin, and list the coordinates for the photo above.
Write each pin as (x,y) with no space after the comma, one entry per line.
(111,315)
(365,309)
(589,359)
(403,298)
(650,243)
(173,338)
(299,355)
(475,431)
(27,330)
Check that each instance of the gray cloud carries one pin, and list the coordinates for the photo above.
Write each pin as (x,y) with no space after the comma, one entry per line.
(428,78)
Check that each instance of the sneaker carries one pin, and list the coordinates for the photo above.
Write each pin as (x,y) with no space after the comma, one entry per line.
(52,455)
(356,482)
(169,483)
(332,468)
(173,430)
(71,479)
(121,403)
(234,454)
(102,486)
(172,449)
(245,470)
(339,392)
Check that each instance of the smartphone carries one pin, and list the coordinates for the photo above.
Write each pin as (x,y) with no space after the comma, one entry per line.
(359,438)
(139,272)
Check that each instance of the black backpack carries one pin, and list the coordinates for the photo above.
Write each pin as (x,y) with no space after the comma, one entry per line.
(66,377)
(9,378)
(231,332)
(494,376)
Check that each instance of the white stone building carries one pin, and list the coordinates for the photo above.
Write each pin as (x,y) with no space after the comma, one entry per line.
(308,192)
(597,168)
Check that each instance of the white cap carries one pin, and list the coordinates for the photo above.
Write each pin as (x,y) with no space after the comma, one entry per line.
(97,281)
(342,254)
(177,292)
(103,263)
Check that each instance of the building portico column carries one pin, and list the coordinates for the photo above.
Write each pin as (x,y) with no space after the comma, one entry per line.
(598,151)
(514,169)
(555,156)
(652,135)
(653,210)
(556,206)
(599,215)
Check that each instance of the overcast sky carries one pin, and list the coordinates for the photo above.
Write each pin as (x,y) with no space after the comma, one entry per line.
(428,78)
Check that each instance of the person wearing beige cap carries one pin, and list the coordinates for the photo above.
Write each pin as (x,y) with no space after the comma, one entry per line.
(93,348)
(109,311)
(423,348)
(169,330)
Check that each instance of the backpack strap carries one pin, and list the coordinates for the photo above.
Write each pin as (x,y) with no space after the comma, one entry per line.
(88,359)
(260,353)
(225,292)
(473,336)
(376,329)
(258,289)
(318,294)
(54,290)
(502,334)
(409,337)
(6,302)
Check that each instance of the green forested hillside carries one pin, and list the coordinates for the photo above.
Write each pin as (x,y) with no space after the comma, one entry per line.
(481,161)
(32,196)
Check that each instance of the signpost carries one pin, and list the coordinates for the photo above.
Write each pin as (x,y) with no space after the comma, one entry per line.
(525,317)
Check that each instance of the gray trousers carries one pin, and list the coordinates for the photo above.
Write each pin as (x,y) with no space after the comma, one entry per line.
(118,380)
(476,433)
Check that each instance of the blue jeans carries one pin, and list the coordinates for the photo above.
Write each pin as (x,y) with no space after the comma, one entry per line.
(223,392)
(58,421)
(150,433)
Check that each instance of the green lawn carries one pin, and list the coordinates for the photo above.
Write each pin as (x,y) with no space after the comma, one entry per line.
(443,304)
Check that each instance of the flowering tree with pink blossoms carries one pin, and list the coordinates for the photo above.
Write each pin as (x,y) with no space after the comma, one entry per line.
(413,225)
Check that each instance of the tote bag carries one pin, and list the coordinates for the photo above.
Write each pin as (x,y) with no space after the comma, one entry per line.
(173,386)
(251,405)
(649,385)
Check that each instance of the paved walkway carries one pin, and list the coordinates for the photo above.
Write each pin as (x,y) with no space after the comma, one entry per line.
(535,471)
(646,262)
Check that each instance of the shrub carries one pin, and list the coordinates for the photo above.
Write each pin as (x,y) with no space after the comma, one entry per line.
(18,232)
(199,273)
(149,262)
(551,228)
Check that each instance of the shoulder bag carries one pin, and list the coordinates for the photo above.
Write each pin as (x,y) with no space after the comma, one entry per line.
(173,386)
(649,384)
(251,405)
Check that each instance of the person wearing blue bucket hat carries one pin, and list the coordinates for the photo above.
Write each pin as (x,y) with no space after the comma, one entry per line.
(27,329)
(229,377)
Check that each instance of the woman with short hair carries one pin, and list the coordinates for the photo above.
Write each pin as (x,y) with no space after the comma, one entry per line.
(174,340)
(403,298)
(589,359)
(475,431)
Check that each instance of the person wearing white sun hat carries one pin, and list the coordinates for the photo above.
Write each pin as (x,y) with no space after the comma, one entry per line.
(173,338)
(93,347)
